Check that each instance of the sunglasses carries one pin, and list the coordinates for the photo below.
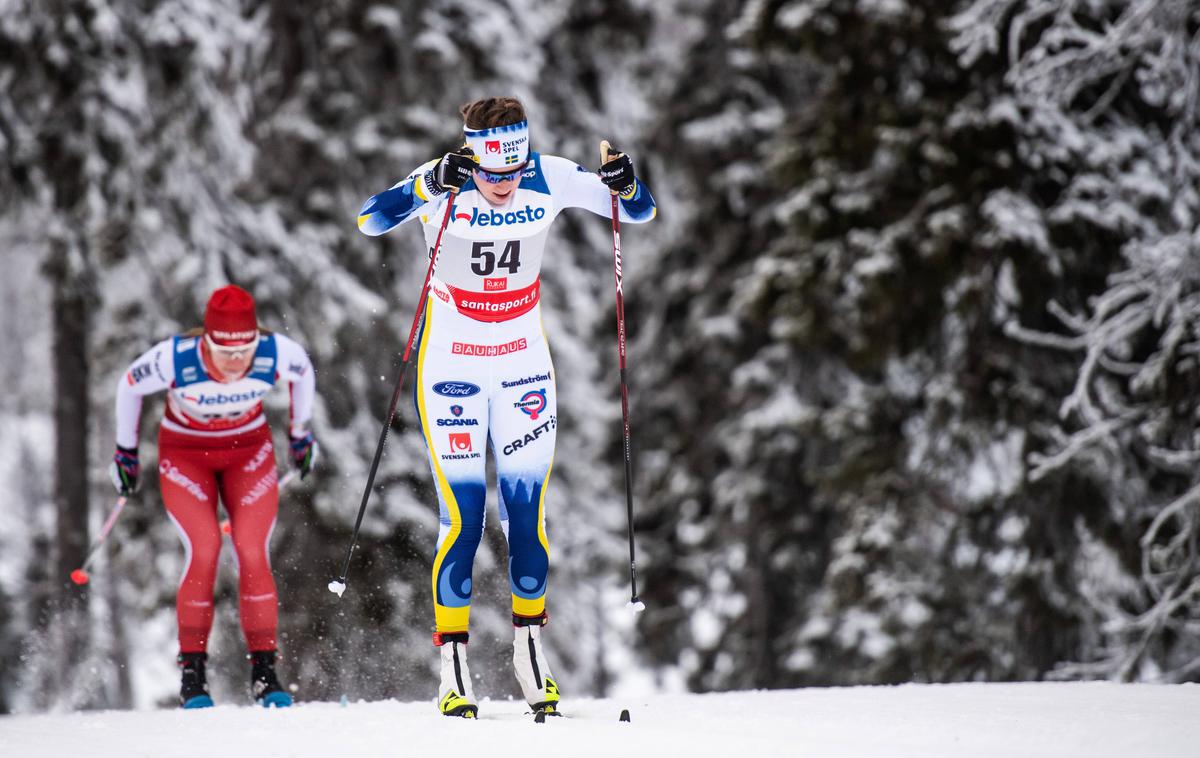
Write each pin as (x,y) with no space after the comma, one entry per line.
(495,177)
(231,351)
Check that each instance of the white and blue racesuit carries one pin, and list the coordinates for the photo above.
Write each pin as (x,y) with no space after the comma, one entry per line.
(484,372)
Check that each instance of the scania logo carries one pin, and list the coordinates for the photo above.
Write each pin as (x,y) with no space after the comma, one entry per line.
(458,422)
(494,218)
(456,389)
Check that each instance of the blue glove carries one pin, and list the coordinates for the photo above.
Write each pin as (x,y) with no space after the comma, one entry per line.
(304,453)
(124,470)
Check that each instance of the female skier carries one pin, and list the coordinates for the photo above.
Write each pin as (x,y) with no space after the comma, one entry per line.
(214,441)
(484,372)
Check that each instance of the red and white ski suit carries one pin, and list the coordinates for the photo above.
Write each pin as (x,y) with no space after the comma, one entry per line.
(214,443)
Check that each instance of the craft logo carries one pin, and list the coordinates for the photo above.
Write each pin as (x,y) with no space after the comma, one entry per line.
(456,410)
(491,147)
(456,389)
(532,403)
(460,442)
(468,348)
(497,284)
(532,436)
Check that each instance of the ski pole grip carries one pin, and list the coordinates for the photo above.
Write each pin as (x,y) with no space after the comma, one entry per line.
(605,151)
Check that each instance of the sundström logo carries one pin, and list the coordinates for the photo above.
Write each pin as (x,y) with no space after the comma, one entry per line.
(456,389)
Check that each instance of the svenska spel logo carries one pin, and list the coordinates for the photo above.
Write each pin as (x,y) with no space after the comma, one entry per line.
(460,442)
(492,146)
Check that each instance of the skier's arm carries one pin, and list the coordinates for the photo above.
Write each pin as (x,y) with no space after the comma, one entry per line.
(295,368)
(152,372)
(392,207)
(576,187)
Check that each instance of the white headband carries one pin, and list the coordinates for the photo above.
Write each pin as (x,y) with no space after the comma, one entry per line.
(500,147)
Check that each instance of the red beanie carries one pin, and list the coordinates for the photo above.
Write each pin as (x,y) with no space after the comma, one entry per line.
(229,318)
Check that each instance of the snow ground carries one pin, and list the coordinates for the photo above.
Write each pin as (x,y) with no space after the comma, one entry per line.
(1089,720)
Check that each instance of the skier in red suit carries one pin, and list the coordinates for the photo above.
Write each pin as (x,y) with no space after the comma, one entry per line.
(214,443)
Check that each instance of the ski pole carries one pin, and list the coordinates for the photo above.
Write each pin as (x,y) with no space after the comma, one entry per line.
(636,605)
(80,575)
(338,586)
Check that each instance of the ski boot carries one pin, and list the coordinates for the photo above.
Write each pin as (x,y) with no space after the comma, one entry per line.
(264,684)
(532,668)
(193,688)
(456,697)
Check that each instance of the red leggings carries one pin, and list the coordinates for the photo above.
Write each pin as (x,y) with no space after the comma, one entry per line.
(241,468)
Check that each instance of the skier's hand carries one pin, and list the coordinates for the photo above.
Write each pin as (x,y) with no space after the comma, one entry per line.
(124,470)
(454,170)
(617,173)
(304,453)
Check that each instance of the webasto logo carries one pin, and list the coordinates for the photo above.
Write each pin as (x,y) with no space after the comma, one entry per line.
(492,218)
(221,398)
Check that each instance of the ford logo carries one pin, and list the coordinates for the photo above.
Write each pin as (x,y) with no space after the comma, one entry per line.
(456,389)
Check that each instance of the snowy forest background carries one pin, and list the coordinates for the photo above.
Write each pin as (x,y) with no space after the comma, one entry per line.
(915,339)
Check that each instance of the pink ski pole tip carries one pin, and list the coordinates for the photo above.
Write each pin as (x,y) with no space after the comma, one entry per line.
(79,576)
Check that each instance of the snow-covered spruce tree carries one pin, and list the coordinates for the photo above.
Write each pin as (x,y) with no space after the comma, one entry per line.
(1112,96)
(836,426)
(57,130)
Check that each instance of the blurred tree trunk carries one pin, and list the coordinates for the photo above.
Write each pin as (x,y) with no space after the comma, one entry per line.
(70,321)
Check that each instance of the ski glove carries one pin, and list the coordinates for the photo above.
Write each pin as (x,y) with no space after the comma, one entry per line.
(453,170)
(124,470)
(617,174)
(304,453)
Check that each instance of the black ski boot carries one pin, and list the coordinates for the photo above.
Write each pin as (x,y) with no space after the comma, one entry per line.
(193,689)
(264,684)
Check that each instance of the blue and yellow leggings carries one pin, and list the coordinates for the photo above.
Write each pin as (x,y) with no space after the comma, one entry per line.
(481,383)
